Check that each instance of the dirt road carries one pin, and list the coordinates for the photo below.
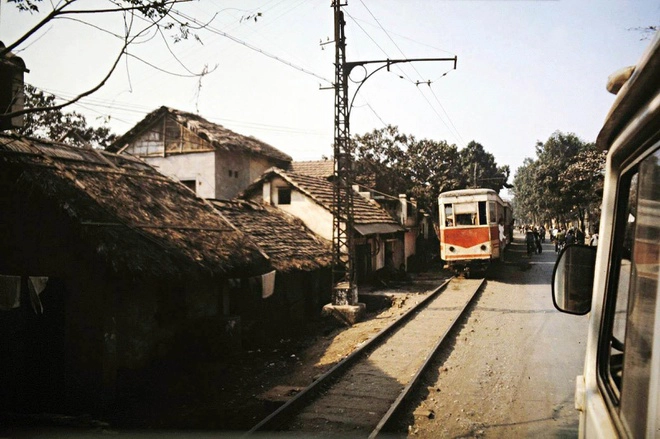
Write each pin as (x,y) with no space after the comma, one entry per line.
(511,370)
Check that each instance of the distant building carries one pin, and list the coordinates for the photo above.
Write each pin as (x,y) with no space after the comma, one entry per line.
(210,159)
(379,238)
(323,169)
(416,223)
(419,233)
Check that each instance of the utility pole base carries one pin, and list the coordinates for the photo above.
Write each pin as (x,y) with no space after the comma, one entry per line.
(344,294)
(346,314)
(345,306)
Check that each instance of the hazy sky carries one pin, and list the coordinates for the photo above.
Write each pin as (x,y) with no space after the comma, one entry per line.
(525,68)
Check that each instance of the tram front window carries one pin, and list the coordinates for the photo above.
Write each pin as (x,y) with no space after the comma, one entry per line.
(466,214)
(449,215)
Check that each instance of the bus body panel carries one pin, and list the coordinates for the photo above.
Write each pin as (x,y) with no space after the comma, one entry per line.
(631,135)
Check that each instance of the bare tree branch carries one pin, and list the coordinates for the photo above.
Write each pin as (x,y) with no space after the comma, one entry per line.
(153,13)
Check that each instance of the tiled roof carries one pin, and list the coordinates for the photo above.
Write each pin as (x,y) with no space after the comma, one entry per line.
(317,168)
(284,238)
(321,191)
(219,136)
(124,211)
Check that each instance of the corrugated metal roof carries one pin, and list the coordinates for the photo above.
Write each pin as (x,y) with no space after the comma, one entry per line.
(377,229)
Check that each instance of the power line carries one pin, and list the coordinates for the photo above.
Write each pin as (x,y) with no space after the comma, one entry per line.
(455,131)
(252,47)
(89,103)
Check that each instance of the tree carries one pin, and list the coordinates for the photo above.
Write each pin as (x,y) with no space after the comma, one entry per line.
(432,167)
(584,179)
(564,182)
(71,128)
(378,158)
(395,163)
(554,157)
(525,193)
(481,170)
(142,19)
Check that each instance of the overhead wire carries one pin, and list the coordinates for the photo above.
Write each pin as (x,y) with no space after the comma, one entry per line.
(251,46)
(130,108)
(112,105)
(451,129)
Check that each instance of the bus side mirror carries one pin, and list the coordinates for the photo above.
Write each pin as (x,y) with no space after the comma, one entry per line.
(573,279)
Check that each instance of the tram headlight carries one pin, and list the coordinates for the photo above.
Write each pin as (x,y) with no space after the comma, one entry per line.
(483,247)
(452,249)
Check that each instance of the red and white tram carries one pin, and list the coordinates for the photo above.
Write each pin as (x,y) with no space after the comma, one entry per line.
(473,226)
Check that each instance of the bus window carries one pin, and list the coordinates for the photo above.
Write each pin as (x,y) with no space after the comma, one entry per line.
(625,353)
(482,213)
(449,216)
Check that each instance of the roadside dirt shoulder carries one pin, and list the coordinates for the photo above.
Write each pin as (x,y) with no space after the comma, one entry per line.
(234,395)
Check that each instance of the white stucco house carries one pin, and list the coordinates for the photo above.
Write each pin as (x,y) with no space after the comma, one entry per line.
(210,159)
(420,240)
(379,238)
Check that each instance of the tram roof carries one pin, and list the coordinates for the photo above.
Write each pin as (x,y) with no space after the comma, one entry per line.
(467,193)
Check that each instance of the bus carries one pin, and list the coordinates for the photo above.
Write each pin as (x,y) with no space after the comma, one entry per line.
(617,282)
(472,226)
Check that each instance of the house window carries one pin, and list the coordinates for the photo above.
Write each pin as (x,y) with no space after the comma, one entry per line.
(283,195)
(190,184)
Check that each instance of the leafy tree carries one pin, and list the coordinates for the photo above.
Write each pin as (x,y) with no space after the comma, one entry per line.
(554,157)
(481,170)
(563,182)
(585,182)
(525,193)
(142,20)
(71,128)
(395,163)
(432,167)
(378,158)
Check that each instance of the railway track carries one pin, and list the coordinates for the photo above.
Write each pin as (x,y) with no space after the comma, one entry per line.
(360,394)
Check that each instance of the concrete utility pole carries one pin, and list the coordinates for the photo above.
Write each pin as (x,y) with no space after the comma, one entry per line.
(345,293)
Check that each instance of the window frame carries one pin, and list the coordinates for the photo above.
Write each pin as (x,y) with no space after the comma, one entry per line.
(612,395)
(287,199)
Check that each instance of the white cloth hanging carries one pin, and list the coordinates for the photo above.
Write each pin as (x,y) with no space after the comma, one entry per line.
(10,292)
(267,284)
(36,285)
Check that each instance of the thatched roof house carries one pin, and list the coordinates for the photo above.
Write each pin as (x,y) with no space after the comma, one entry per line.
(126,213)
(133,269)
(212,160)
(302,281)
(290,245)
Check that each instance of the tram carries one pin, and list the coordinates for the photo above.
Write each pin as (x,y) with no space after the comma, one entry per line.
(471,222)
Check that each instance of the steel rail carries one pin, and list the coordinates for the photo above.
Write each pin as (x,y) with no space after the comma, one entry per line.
(284,412)
(405,393)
